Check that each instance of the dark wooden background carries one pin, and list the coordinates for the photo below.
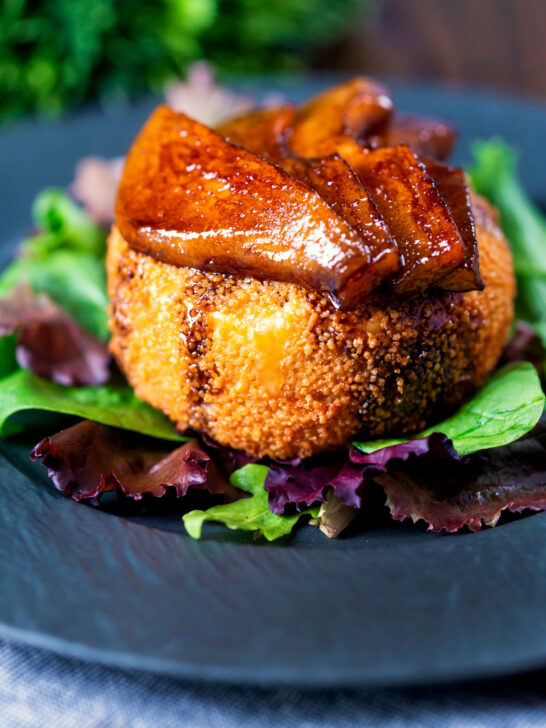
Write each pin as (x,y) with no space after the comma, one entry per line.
(494,43)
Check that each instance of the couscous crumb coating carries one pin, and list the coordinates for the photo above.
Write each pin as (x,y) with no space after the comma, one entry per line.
(273,369)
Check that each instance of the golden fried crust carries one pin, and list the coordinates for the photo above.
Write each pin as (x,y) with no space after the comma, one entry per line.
(273,369)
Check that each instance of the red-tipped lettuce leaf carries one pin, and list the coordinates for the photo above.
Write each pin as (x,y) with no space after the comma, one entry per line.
(50,343)
(362,469)
(472,491)
(427,479)
(89,459)
(295,483)
(302,485)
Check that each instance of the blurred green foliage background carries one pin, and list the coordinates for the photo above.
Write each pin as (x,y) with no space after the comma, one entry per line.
(55,54)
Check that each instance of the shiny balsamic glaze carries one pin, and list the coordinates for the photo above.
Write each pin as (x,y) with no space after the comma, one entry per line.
(452,185)
(337,184)
(339,196)
(190,198)
(357,108)
(415,212)
(262,132)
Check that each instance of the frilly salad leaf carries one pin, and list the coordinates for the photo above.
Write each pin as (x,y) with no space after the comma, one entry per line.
(77,283)
(507,407)
(89,459)
(112,404)
(49,342)
(63,225)
(299,483)
(427,480)
(65,260)
(247,514)
(471,491)
(361,469)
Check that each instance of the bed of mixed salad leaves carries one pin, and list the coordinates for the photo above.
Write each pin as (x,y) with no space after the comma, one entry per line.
(488,457)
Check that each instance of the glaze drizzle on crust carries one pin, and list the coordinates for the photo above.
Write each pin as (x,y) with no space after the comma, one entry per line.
(273,369)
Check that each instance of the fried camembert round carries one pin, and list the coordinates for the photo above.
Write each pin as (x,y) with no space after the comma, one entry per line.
(301,277)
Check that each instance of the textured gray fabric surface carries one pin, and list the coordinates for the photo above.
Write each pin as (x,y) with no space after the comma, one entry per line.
(39,689)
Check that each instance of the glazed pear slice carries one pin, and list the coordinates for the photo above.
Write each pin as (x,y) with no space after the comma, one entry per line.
(356,108)
(414,211)
(337,184)
(262,132)
(425,137)
(190,198)
(452,185)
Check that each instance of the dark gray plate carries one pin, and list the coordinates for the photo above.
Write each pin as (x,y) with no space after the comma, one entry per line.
(389,605)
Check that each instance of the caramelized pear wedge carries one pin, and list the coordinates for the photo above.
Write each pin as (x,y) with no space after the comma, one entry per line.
(262,132)
(356,109)
(414,211)
(190,198)
(452,185)
(337,184)
(425,137)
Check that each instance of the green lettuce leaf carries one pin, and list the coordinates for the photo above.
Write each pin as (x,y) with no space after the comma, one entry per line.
(12,275)
(508,406)
(112,404)
(247,514)
(8,362)
(9,279)
(63,225)
(65,260)
(77,283)
(494,176)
